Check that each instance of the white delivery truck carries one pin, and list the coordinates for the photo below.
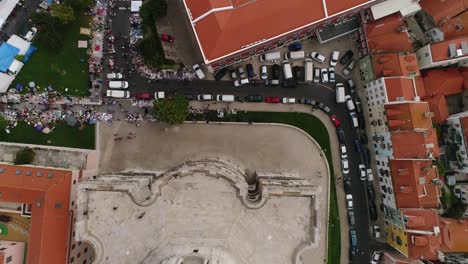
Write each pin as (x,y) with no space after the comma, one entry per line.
(294,55)
(272,56)
(340,93)
(287,72)
(118,84)
(309,70)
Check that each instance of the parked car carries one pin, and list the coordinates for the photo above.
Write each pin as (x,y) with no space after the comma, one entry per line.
(220,74)
(334,58)
(272,99)
(347,185)
(316,75)
(159,95)
(372,211)
(205,97)
(318,57)
(351,219)
(331,73)
(324,74)
(375,257)
(345,166)
(325,108)
(370,193)
(376,231)
(143,96)
(241,72)
(362,172)
(31,34)
(271,82)
(254,98)
(167,38)
(288,100)
(299,73)
(276,72)
(367,156)
(295,46)
(341,135)
(349,201)
(370,175)
(114,75)
(263,72)
(352,88)
(335,120)
(188,96)
(199,71)
(353,238)
(347,57)
(347,70)
(250,70)
(343,152)
(304,101)
(233,74)
(357,145)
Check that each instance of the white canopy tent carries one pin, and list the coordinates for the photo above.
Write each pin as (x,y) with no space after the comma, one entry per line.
(136,5)
(15,67)
(5,82)
(19,43)
(6,7)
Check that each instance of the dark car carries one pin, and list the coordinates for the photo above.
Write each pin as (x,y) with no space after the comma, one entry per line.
(304,101)
(250,70)
(347,185)
(367,156)
(357,145)
(351,219)
(271,82)
(341,135)
(346,57)
(372,211)
(299,73)
(364,139)
(325,108)
(188,96)
(5,218)
(295,46)
(290,83)
(370,193)
(352,238)
(220,74)
(254,98)
(276,72)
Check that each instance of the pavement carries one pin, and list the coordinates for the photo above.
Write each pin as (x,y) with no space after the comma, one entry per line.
(19,24)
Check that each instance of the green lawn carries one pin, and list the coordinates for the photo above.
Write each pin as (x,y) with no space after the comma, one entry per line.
(65,68)
(314,127)
(63,136)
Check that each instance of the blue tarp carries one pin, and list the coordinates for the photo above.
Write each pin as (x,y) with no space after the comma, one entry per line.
(48,1)
(28,54)
(7,56)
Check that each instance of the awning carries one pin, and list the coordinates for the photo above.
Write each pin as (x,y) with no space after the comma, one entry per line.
(5,82)
(136,5)
(19,43)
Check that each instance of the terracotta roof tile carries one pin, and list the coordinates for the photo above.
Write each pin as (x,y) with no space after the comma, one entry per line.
(438,106)
(408,116)
(440,50)
(399,87)
(441,9)
(383,35)
(394,64)
(454,235)
(415,144)
(455,27)
(443,82)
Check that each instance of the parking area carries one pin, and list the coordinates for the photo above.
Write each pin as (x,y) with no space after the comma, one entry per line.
(18,22)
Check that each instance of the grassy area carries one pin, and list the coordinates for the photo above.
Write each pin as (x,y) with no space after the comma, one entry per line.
(314,127)
(63,68)
(63,136)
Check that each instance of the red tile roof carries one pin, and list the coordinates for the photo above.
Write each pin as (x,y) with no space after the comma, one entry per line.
(384,35)
(399,87)
(455,27)
(443,82)
(408,116)
(415,144)
(454,235)
(422,245)
(420,89)
(442,9)
(223,32)
(394,64)
(464,72)
(48,194)
(438,106)
(394,258)
(412,183)
(440,50)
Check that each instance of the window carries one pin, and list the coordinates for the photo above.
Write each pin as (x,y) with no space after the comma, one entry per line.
(50,175)
(39,174)
(78,255)
(85,250)
(73,233)
(378,162)
(18,172)
(79,243)
(8,260)
(12,244)
(28,173)
(72,259)
(2,170)
(73,203)
(74,181)
(84,261)
(73,246)
(1,249)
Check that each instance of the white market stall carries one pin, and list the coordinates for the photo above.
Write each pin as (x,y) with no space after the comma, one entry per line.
(19,43)
(6,7)
(5,82)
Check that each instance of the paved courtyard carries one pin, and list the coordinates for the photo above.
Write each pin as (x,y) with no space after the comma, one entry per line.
(218,222)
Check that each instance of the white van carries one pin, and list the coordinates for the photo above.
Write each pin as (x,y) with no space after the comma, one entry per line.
(294,55)
(272,56)
(225,98)
(287,72)
(118,94)
(370,175)
(340,93)
(354,119)
(114,75)
(118,84)
(349,103)
(309,70)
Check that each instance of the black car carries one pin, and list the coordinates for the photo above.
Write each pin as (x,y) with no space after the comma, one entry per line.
(220,74)
(304,100)
(370,193)
(188,96)
(5,218)
(254,98)
(341,135)
(364,139)
(299,73)
(250,70)
(346,57)
(372,211)
(290,83)
(276,72)
(367,156)
(347,185)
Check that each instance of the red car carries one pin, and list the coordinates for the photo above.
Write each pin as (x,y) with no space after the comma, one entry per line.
(272,99)
(335,120)
(143,96)
(167,37)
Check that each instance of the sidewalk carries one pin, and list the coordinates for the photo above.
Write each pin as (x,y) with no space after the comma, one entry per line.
(334,145)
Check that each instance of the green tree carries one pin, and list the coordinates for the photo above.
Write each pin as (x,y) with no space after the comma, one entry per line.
(51,36)
(24,156)
(3,123)
(172,110)
(63,12)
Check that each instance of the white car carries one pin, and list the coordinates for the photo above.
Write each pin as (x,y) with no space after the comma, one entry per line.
(343,153)
(376,231)
(324,74)
(352,88)
(318,57)
(114,75)
(331,73)
(159,95)
(349,68)
(288,100)
(362,172)
(31,34)
(334,58)
(264,72)
(316,75)
(241,72)
(375,257)
(205,97)
(199,71)
(345,166)
(370,175)
(349,201)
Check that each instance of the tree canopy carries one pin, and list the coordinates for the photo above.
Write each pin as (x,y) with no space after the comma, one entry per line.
(173,110)
(63,12)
